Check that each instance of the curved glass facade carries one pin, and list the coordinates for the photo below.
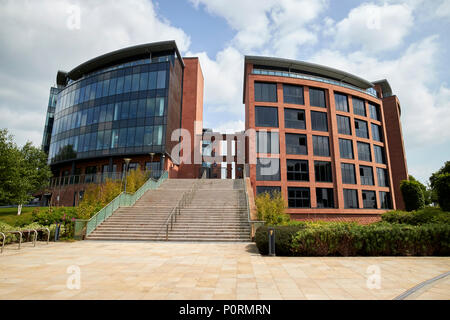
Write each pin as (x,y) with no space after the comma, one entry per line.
(121,109)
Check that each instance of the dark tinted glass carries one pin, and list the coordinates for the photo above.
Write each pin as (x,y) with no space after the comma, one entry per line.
(351,199)
(341,102)
(343,124)
(266,117)
(296,143)
(346,148)
(366,175)
(359,107)
(317,97)
(319,121)
(266,92)
(376,133)
(323,171)
(293,94)
(298,197)
(324,198)
(348,173)
(379,154)
(385,200)
(369,199)
(383,178)
(321,146)
(364,152)
(361,129)
(266,189)
(294,118)
(268,169)
(374,112)
(297,170)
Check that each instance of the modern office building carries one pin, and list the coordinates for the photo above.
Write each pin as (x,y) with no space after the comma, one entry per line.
(333,146)
(123,104)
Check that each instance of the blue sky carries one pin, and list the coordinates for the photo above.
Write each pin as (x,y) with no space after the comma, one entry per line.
(405,42)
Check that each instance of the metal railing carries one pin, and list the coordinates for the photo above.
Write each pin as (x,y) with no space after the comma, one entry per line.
(253,223)
(185,200)
(21,232)
(86,227)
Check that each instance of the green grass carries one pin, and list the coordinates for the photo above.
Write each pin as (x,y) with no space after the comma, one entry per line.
(9,216)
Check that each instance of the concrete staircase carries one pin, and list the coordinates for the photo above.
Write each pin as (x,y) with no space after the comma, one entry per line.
(217,212)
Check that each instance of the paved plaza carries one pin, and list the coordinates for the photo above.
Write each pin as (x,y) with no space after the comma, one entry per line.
(175,270)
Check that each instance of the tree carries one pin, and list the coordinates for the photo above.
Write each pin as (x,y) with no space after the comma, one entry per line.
(271,208)
(426,191)
(22,171)
(440,185)
(412,195)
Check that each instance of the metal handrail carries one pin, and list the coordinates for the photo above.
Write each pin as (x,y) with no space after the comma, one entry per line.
(3,242)
(185,200)
(20,233)
(252,222)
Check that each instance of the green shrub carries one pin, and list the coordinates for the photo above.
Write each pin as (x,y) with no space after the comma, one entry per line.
(283,238)
(442,186)
(412,195)
(424,216)
(271,208)
(41,235)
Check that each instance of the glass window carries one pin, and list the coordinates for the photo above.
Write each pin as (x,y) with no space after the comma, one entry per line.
(343,124)
(112,86)
(159,107)
(127,84)
(364,152)
(266,92)
(374,112)
(317,97)
(319,121)
(296,143)
(324,198)
(109,113)
(102,116)
(341,102)
(385,200)
(267,189)
(359,107)
(152,80)
(293,94)
(348,173)
(361,129)
(321,146)
(124,110)
(297,170)
(158,135)
(120,81)
(148,136)
(366,175)
(135,82)
(139,141)
(131,137)
(376,132)
(96,115)
(150,107)
(100,136)
(143,83)
(294,118)
(105,88)
(351,199)
(93,141)
(141,108)
(298,197)
(268,169)
(83,118)
(379,154)
(267,142)
(323,171)
(91,95)
(117,111)
(369,199)
(98,90)
(122,137)
(90,116)
(106,139)
(161,83)
(266,117)
(383,178)
(133,109)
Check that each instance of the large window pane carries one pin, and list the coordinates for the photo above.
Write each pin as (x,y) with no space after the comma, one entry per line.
(369,199)
(319,121)
(324,198)
(143,82)
(152,79)
(321,146)
(112,86)
(293,94)
(120,81)
(348,173)
(376,133)
(383,178)
(135,83)
(341,102)
(366,175)
(139,137)
(131,136)
(323,171)
(124,110)
(296,143)
(150,107)
(266,117)
(299,197)
(385,200)
(359,107)
(158,135)
(148,136)
(361,129)
(364,152)
(351,199)
(374,112)
(141,108)
(161,83)
(267,189)
(127,84)
(317,97)
(297,170)
(159,107)
(343,124)
(265,92)
(379,154)
(122,137)
(268,169)
(267,142)
(133,109)
(294,118)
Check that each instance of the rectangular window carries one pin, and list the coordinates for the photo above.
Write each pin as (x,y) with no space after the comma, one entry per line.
(265,92)
(321,146)
(376,132)
(341,102)
(324,198)
(267,189)
(296,143)
(152,80)
(323,171)
(124,111)
(385,200)
(141,108)
(364,152)
(161,82)
(267,142)
(120,81)
(299,197)
(143,82)
(317,97)
(148,136)
(158,135)
(293,94)
(112,87)
(150,107)
(374,112)
(361,129)
(268,169)
(379,154)
(127,84)
(348,173)
(133,109)
(297,170)
(266,117)
(351,199)
(159,107)
(346,149)
(114,138)
(383,178)
(366,175)
(359,107)
(343,124)
(135,83)
(319,121)
(369,199)
(294,118)
(122,137)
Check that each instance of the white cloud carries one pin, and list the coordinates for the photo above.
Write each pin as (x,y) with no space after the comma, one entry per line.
(36,43)
(230,127)
(374,27)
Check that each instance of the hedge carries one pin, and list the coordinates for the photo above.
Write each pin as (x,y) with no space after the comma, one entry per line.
(424,216)
(4,227)
(348,239)
(412,195)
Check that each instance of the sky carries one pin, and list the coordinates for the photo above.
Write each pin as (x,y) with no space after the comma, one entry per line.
(406,42)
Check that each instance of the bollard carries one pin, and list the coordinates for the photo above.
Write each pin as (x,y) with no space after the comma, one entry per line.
(271,242)
(58,226)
